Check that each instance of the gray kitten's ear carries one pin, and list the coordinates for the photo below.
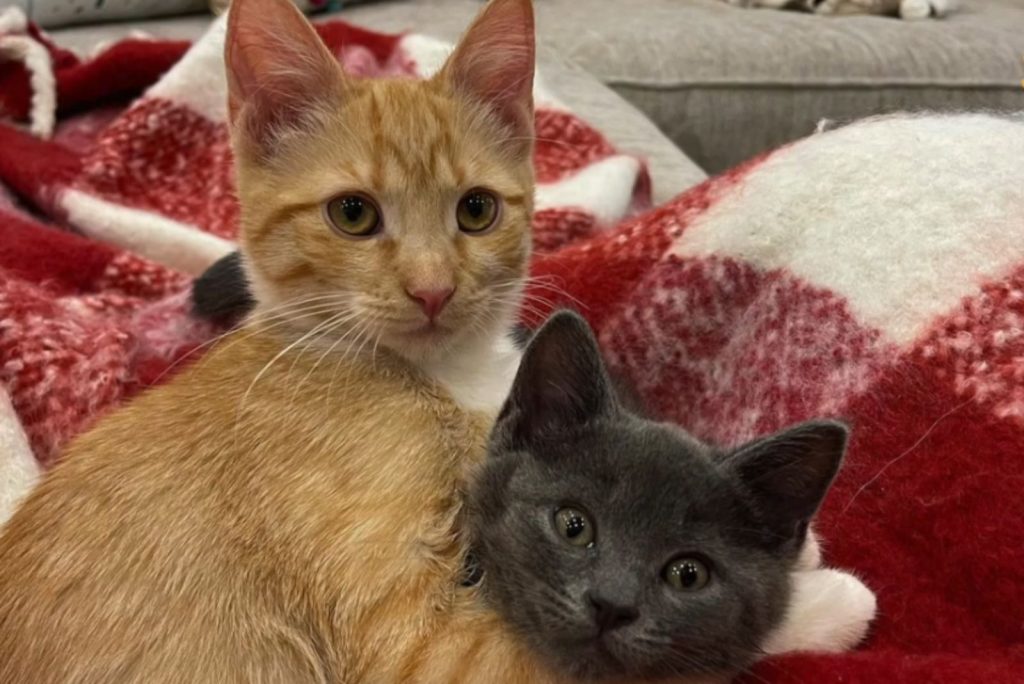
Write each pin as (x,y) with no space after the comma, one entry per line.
(789,473)
(561,382)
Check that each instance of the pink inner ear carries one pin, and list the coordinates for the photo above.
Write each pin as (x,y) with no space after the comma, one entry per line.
(494,62)
(276,65)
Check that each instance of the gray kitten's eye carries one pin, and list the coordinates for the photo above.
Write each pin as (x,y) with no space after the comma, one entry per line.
(574,526)
(687,574)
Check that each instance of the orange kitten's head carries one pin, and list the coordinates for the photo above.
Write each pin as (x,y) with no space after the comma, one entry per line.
(395,210)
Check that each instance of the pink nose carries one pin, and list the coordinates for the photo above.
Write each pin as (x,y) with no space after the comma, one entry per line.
(432,301)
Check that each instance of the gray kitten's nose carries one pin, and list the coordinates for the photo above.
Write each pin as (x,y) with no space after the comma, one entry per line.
(610,615)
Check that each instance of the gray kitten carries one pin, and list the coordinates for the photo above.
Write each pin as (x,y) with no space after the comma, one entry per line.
(618,546)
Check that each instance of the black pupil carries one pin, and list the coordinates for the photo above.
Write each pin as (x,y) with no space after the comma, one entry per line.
(352,207)
(476,205)
(689,574)
(575,525)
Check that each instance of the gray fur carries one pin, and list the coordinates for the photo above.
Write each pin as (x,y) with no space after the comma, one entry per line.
(654,494)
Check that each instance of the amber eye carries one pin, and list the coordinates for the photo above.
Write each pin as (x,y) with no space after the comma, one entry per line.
(477,211)
(574,526)
(687,574)
(353,215)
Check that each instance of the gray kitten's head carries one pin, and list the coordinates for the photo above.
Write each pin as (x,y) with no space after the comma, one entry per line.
(617,545)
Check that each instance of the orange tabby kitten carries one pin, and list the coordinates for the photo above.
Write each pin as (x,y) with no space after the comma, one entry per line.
(287,509)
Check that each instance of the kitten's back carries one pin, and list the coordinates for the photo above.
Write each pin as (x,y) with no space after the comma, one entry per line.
(228,540)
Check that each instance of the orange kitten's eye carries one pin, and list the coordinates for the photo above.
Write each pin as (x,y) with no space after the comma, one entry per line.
(477,211)
(353,215)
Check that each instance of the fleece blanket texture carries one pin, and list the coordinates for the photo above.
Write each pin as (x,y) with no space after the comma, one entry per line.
(873,273)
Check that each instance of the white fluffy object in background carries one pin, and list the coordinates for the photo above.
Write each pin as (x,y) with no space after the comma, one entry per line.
(906,9)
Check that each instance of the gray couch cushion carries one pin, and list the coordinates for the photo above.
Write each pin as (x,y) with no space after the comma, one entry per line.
(726,83)
(51,13)
(624,125)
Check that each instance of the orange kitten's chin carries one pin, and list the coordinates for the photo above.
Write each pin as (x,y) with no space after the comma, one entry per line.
(408,342)
(439,339)
(429,329)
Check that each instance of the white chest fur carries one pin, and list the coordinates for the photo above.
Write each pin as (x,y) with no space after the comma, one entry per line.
(479,376)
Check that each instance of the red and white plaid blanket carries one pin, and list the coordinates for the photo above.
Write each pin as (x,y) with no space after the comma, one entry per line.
(874,273)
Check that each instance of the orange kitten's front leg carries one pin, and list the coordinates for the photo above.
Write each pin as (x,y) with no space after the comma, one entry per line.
(475,645)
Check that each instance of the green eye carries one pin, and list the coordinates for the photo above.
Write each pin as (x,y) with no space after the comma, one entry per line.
(477,211)
(353,215)
(574,526)
(687,574)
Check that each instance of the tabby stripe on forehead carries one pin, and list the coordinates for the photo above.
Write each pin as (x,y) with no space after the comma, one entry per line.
(460,173)
(257,233)
(441,152)
(377,171)
(303,269)
(442,148)
(394,150)
(350,170)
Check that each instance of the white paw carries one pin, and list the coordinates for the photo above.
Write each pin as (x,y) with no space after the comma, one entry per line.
(829,611)
(915,9)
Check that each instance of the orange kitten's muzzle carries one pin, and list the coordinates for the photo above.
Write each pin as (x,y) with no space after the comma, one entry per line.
(431,301)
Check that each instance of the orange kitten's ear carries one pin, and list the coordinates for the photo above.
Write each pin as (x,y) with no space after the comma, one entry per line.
(278,69)
(494,63)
